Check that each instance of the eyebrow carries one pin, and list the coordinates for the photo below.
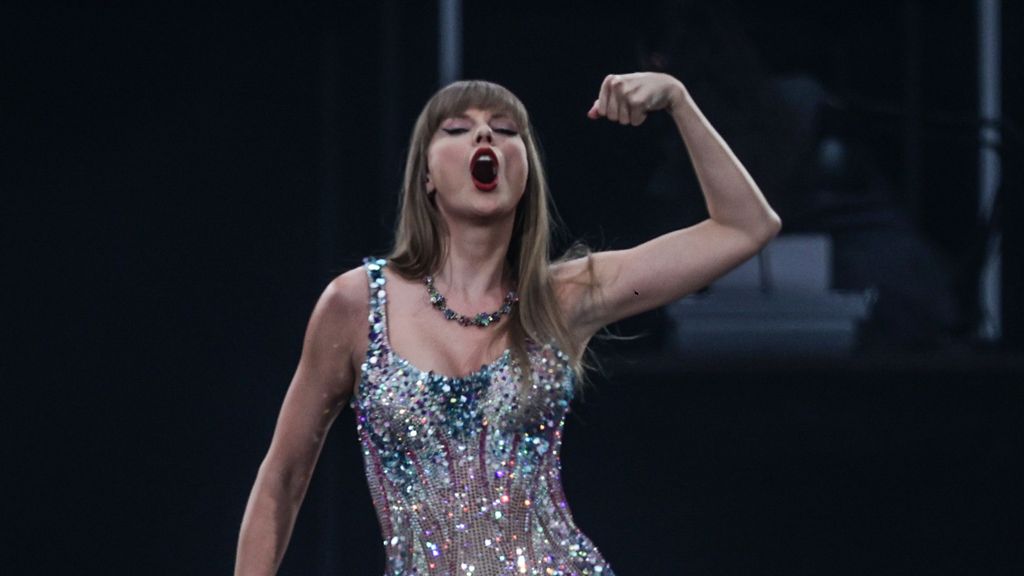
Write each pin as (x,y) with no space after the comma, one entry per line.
(499,115)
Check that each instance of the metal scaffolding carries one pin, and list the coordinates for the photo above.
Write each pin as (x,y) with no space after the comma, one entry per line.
(989,164)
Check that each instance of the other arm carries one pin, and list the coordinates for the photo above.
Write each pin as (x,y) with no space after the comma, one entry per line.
(319,390)
(628,282)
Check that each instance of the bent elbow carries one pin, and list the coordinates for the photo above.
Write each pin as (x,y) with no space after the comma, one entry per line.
(776,225)
(770,229)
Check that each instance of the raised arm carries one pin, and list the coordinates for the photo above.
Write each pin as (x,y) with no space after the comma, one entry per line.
(319,390)
(628,282)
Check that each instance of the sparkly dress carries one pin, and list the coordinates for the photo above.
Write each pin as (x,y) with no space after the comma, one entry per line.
(465,477)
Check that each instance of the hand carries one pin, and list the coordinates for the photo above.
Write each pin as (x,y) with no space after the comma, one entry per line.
(627,98)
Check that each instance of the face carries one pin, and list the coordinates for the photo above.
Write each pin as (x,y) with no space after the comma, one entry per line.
(462,179)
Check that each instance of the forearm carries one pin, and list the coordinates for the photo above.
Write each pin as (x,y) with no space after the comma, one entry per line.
(266,529)
(732,197)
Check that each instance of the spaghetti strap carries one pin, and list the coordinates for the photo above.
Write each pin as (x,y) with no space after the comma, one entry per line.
(435,445)
(378,300)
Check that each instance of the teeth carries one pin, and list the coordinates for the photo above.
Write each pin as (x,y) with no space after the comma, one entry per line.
(485,168)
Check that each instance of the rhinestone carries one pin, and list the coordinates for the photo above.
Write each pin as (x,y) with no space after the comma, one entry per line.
(477,453)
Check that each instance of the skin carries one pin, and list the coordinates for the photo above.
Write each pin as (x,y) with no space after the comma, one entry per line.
(630,281)
(448,163)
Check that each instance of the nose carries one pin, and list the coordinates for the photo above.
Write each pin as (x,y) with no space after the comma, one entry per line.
(484,133)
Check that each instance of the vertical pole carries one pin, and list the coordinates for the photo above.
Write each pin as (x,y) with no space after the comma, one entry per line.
(912,105)
(391,106)
(449,41)
(989,168)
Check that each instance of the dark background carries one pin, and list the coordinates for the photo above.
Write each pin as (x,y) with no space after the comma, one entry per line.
(182,181)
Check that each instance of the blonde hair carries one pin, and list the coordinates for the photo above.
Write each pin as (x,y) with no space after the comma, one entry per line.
(421,234)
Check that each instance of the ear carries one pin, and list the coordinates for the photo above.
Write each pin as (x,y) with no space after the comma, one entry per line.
(429,184)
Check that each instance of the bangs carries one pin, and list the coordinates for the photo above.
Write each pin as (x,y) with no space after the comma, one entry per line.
(458,97)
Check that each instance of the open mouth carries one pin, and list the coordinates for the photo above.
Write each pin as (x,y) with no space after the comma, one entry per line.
(483,168)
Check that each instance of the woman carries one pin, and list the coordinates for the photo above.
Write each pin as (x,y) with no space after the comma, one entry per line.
(476,340)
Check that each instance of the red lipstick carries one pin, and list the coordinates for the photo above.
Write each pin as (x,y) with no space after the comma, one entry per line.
(483,168)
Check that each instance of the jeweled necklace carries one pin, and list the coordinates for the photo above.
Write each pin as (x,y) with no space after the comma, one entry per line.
(482,319)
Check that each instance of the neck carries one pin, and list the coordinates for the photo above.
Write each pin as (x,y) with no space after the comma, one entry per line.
(475,270)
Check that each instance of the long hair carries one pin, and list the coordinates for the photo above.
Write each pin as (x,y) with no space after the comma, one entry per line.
(421,236)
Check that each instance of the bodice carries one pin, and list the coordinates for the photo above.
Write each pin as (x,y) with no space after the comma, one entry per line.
(464,472)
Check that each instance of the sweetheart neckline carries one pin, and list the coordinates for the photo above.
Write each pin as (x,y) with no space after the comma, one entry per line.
(484,368)
(400,359)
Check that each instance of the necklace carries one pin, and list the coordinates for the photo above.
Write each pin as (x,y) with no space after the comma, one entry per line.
(482,319)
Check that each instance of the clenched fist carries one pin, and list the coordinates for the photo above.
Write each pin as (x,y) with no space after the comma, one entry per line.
(628,98)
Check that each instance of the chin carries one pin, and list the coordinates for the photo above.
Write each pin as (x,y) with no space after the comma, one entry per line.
(494,205)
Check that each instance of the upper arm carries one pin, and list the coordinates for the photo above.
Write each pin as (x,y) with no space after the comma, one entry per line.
(623,283)
(322,384)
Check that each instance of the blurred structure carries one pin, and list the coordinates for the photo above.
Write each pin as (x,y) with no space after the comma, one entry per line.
(989,20)
(801,145)
(779,304)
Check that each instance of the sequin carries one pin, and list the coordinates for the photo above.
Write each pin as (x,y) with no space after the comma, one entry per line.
(465,474)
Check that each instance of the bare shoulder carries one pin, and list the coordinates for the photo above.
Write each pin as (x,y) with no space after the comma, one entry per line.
(336,323)
(348,294)
(344,302)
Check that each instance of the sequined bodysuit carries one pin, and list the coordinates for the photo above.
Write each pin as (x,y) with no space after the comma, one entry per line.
(465,476)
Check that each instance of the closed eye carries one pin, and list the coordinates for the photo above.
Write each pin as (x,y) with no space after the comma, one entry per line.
(504,131)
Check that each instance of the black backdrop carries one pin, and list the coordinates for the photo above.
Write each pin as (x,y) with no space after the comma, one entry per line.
(182,181)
